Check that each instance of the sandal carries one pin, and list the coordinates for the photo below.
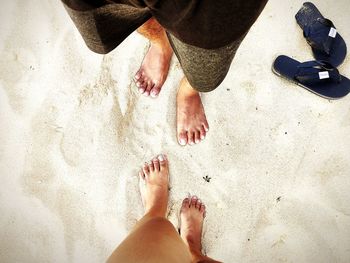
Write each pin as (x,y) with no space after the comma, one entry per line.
(321,34)
(319,77)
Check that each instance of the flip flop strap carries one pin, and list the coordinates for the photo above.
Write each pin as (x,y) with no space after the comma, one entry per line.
(321,34)
(317,71)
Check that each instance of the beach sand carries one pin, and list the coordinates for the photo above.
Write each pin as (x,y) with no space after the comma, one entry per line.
(74,131)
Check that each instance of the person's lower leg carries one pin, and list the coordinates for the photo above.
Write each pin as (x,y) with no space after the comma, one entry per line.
(192,124)
(192,215)
(155,66)
(153,239)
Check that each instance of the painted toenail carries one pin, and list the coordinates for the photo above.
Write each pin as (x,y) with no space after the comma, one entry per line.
(182,141)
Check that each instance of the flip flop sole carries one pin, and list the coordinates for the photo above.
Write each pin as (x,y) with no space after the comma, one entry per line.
(287,68)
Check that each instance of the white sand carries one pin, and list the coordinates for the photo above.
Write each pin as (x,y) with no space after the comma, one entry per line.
(74,132)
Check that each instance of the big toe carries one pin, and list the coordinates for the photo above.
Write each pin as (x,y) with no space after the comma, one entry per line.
(182,138)
(185,204)
(163,162)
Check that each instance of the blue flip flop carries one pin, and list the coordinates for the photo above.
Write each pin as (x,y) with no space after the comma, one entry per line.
(319,77)
(321,34)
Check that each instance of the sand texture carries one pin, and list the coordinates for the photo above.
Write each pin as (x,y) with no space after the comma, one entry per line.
(74,131)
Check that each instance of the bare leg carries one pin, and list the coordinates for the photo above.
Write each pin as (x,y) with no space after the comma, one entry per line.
(154,239)
(192,215)
(192,124)
(155,66)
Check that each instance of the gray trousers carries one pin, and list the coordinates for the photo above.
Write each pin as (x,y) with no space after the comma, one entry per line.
(105,24)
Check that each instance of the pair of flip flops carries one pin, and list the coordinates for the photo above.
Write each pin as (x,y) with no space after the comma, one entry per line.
(320,76)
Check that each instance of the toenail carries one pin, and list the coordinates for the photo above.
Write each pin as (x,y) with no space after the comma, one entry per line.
(161,158)
(194,197)
(206,129)
(141,90)
(182,141)
(202,137)
(197,141)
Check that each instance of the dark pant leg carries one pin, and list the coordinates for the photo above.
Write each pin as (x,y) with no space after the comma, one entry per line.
(204,69)
(105,24)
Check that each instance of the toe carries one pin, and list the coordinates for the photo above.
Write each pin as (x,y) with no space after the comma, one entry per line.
(155,91)
(142,174)
(193,201)
(141,90)
(149,87)
(182,138)
(190,137)
(151,167)
(138,75)
(198,204)
(145,169)
(186,203)
(202,133)
(196,136)
(162,161)
(143,86)
(202,209)
(156,165)
(206,126)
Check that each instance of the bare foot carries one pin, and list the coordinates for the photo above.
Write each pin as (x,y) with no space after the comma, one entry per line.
(154,69)
(155,176)
(192,215)
(192,124)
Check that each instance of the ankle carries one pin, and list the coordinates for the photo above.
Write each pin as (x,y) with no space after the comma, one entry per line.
(162,44)
(186,89)
(156,211)
(197,256)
